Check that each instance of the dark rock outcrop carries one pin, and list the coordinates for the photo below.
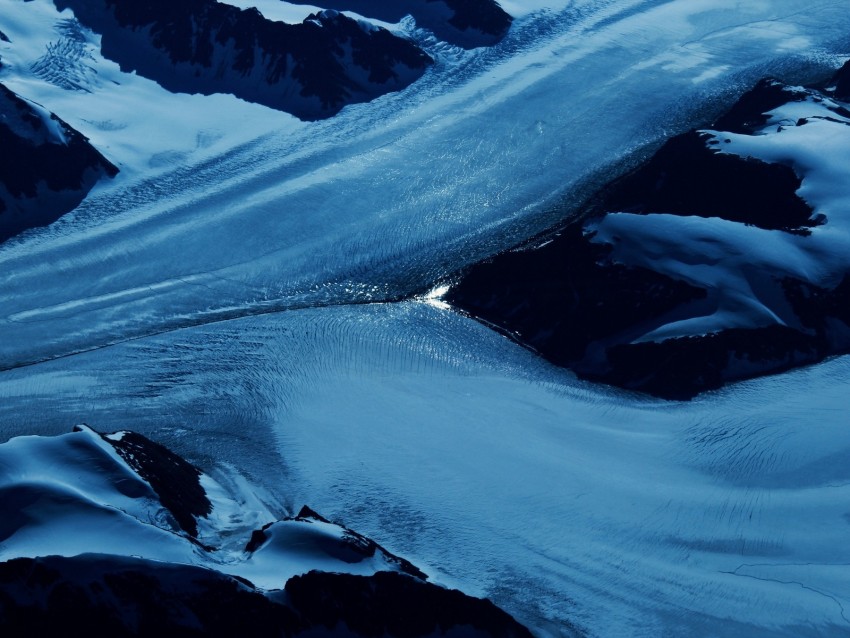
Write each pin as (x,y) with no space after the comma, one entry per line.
(311,70)
(749,113)
(688,176)
(465,23)
(841,82)
(565,296)
(175,481)
(392,604)
(98,595)
(46,167)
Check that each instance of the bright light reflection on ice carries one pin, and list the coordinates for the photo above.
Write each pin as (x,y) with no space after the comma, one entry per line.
(435,297)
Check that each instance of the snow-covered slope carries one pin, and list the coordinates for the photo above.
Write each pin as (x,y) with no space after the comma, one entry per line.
(723,257)
(124,495)
(135,526)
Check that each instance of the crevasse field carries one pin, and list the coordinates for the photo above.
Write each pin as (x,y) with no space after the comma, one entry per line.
(252,291)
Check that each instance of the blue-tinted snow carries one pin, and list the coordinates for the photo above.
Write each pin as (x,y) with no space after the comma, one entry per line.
(572,506)
(73,494)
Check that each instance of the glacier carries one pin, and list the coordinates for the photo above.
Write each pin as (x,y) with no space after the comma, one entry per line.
(252,291)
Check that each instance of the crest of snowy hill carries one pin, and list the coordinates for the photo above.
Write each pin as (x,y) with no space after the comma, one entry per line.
(725,256)
(46,167)
(117,533)
(465,23)
(311,69)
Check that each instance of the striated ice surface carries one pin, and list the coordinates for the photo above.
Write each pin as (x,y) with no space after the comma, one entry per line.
(225,209)
(227,296)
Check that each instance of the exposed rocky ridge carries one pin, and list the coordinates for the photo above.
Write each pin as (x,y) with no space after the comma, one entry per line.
(587,297)
(392,604)
(99,595)
(46,167)
(466,23)
(687,177)
(176,482)
(311,69)
(105,595)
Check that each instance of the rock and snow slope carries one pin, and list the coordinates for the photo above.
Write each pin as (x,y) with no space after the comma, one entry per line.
(465,23)
(311,69)
(118,534)
(725,256)
(124,495)
(46,167)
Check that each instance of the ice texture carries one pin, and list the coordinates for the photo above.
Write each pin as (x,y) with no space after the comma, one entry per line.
(236,293)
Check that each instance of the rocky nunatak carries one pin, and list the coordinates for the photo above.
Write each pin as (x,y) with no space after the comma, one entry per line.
(702,266)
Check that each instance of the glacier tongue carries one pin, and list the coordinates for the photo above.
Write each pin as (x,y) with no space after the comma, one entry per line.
(390,196)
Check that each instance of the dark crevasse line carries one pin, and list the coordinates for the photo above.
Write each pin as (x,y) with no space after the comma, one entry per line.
(576,299)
